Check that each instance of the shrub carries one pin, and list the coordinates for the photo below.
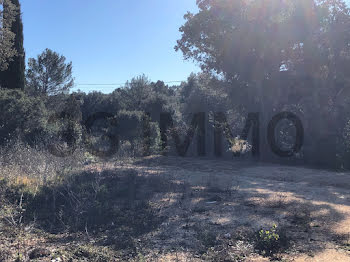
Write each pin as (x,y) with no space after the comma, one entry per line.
(33,165)
(132,128)
(269,242)
(21,115)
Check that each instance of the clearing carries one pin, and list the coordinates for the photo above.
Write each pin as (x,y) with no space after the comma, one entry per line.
(197,209)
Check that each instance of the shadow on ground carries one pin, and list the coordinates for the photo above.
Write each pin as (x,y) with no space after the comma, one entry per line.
(209,209)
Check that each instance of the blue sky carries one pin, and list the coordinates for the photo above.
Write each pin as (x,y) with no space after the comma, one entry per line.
(110,41)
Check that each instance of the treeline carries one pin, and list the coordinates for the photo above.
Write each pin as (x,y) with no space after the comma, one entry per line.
(258,56)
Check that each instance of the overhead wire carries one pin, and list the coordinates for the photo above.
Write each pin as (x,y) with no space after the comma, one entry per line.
(114,85)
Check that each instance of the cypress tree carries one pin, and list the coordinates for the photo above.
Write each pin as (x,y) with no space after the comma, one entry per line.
(14,76)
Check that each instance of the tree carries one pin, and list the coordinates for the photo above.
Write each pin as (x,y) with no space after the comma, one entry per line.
(7,16)
(246,42)
(249,42)
(277,55)
(49,74)
(13,76)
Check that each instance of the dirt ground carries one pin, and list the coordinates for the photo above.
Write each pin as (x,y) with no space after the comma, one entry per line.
(210,209)
(313,205)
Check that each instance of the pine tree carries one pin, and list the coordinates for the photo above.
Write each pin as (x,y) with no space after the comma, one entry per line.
(49,74)
(14,76)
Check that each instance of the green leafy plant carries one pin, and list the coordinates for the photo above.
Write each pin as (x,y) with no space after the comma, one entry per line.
(271,241)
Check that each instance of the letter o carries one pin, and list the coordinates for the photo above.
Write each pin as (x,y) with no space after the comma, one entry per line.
(299,139)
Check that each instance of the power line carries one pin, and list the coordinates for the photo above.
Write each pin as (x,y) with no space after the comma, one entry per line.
(101,84)
(119,84)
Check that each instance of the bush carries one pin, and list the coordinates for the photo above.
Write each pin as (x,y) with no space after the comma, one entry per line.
(269,242)
(131,128)
(21,115)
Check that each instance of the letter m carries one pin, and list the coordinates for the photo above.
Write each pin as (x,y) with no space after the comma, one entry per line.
(221,126)
(197,124)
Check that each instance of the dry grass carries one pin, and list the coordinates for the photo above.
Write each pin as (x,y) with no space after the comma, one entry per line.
(177,209)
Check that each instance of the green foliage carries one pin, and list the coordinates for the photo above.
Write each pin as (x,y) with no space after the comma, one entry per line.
(64,128)
(8,14)
(268,242)
(137,95)
(21,115)
(49,74)
(135,128)
(248,41)
(129,118)
(95,102)
(140,94)
(13,76)
(274,56)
